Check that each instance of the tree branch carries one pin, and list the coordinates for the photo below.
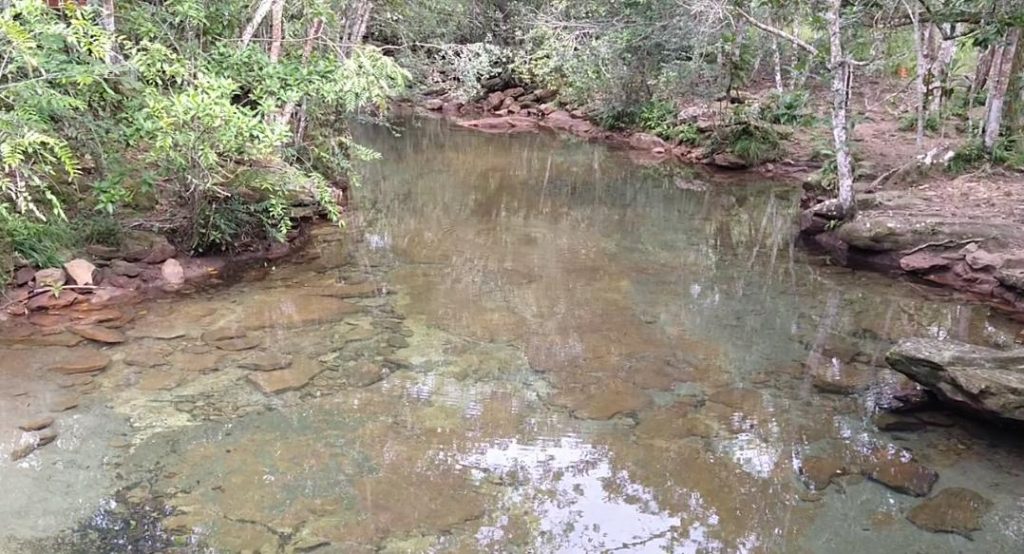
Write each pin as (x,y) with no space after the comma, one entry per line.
(778,32)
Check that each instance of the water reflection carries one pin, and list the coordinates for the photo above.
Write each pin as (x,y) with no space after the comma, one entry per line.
(519,345)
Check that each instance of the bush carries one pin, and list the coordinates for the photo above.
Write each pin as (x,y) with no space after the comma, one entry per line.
(932,123)
(788,108)
(750,139)
(233,225)
(42,244)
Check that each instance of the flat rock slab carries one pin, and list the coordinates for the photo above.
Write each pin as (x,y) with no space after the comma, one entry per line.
(36,423)
(283,380)
(604,403)
(981,380)
(362,290)
(99,334)
(80,360)
(268,310)
(222,333)
(266,361)
(953,510)
(238,344)
(64,403)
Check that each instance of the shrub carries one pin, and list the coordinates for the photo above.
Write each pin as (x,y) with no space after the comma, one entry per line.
(752,140)
(788,108)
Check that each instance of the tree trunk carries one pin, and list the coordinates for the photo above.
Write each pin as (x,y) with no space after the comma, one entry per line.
(353,26)
(998,84)
(841,75)
(943,63)
(1015,91)
(777,64)
(981,72)
(276,29)
(922,68)
(254,23)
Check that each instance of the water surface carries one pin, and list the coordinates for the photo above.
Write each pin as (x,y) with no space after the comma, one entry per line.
(517,344)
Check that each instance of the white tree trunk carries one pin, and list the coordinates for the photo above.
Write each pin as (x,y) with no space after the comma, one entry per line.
(254,23)
(840,107)
(777,62)
(998,83)
(276,29)
(943,63)
(922,69)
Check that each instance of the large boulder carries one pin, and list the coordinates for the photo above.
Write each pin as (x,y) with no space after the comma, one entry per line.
(982,380)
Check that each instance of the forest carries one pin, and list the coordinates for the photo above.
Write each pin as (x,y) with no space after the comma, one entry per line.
(220,124)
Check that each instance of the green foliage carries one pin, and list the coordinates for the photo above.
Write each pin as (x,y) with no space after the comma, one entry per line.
(1008,152)
(789,108)
(752,140)
(932,123)
(171,112)
(49,64)
(41,243)
(232,224)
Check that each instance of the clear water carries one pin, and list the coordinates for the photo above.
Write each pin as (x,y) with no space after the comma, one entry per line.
(575,353)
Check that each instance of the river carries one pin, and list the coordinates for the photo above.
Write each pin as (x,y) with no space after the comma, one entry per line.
(516,344)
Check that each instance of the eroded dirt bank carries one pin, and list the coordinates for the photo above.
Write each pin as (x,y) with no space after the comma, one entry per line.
(964,234)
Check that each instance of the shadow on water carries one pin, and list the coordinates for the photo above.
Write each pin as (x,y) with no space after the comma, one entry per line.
(525,344)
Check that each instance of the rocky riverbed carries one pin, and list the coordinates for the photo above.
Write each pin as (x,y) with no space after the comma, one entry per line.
(516,356)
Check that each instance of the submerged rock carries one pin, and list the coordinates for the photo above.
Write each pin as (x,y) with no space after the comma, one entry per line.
(64,403)
(99,334)
(266,361)
(238,344)
(172,272)
(37,423)
(897,469)
(606,403)
(953,510)
(982,380)
(283,380)
(893,422)
(32,442)
(817,472)
(80,360)
(222,333)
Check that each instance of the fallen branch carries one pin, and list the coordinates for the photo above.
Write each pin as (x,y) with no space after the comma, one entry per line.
(948,242)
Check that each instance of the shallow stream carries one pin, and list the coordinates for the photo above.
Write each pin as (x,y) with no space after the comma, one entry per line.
(517,344)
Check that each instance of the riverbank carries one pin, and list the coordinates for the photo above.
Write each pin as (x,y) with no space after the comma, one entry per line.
(145,267)
(962,233)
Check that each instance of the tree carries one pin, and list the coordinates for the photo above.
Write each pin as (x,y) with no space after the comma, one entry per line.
(841,68)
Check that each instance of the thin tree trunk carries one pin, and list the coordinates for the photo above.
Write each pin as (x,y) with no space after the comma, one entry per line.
(840,107)
(1015,91)
(353,27)
(943,63)
(250,30)
(922,69)
(307,50)
(276,29)
(999,81)
(777,64)
(984,68)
